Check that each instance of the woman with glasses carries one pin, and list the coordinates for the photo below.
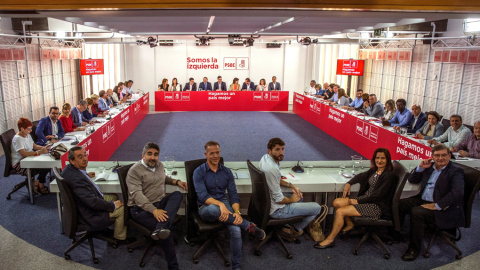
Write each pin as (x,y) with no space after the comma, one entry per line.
(22,147)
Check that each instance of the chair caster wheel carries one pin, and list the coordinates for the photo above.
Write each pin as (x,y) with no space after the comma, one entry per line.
(389,243)
(191,244)
(142,264)
(386,256)
(67,257)
(195,261)
(355,252)
(114,246)
(96,261)
(8,197)
(289,256)
(257,252)
(458,257)
(227,264)
(130,250)
(426,255)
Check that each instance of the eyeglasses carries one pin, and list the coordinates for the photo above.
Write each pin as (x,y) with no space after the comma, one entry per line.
(54,113)
(440,155)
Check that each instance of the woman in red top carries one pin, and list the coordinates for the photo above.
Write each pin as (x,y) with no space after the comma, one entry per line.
(95,108)
(67,120)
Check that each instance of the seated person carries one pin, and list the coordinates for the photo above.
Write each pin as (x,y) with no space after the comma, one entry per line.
(117,91)
(334,96)
(49,129)
(419,118)
(328,92)
(320,91)
(77,114)
(343,99)
(112,97)
(88,114)
(283,205)
(96,111)
(390,110)
(108,98)
(235,86)
(274,85)
(67,120)
(470,147)
(103,101)
(95,209)
(175,85)
(191,85)
(205,85)
(211,180)
(402,117)
(22,147)
(374,107)
(454,135)
(377,186)
(356,103)
(149,204)
(440,200)
(219,85)
(262,85)
(164,86)
(248,85)
(312,91)
(431,128)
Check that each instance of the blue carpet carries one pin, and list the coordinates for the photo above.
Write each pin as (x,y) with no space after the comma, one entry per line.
(242,136)
(39,225)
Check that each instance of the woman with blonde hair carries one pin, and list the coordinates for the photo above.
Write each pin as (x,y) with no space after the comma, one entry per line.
(390,110)
(67,120)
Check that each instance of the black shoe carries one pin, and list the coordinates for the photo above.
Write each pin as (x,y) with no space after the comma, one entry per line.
(256,232)
(344,233)
(317,245)
(160,234)
(410,255)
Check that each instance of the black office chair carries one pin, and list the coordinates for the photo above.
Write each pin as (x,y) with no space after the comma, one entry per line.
(259,211)
(70,223)
(471,187)
(199,230)
(34,128)
(6,140)
(146,241)
(390,222)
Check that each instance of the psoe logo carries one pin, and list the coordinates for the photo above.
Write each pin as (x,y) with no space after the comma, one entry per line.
(186,96)
(266,96)
(312,105)
(168,96)
(275,96)
(137,108)
(359,128)
(365,131)
(374,134)
(176,96)
(257,96)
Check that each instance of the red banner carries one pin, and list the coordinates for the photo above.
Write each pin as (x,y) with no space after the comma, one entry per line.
(360,135)
(221,101)
(101,144)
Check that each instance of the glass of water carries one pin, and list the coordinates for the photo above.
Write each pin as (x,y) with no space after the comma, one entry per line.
(356,162)
(343,165)
(169,162)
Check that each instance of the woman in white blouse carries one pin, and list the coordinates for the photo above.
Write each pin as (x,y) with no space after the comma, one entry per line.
(390,110)
(23,146)
(262,86)
(175,86)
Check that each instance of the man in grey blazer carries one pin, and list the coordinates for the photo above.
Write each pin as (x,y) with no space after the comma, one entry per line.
(274,85)
(219,85)
(77,114)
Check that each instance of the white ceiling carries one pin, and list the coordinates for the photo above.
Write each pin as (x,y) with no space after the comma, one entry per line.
(246,22)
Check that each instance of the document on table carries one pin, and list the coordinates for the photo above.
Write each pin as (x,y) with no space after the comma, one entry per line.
(106,176)
(241,175)
(292,177)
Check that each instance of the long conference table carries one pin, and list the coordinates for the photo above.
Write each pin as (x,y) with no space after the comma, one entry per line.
(221,101)
(101,144)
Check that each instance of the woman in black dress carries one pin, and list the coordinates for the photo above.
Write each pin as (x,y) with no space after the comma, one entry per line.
(374,197)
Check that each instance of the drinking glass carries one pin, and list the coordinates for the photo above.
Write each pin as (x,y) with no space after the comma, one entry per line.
(343,165)
(101,169)
(356,160)
(169,162)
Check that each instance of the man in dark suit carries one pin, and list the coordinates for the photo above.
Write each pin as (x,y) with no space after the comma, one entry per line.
(219,85)
(274,85)
(419,118)
(248,86)
(77,114)
(205,85)
(440,200)
(191,85)
(49,129)
(95,209)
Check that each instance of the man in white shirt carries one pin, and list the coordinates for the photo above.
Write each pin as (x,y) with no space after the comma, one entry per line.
(312,91)
(274,85)
(283,206)
(454,135)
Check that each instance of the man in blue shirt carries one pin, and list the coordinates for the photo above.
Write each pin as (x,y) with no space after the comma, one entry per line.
(49,129)
(402,117)
(102,101)
(440,200)
(211,180)
(334,97)
(356,103)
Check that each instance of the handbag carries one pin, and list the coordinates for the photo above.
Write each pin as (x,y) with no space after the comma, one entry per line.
(314,229)
(58,151)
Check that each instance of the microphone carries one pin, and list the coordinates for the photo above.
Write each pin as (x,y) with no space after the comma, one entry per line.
(116,167)
(298,168)
(140,90)
(76,140)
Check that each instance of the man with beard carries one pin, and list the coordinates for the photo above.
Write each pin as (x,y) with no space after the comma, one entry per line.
(149,205)
(283,206)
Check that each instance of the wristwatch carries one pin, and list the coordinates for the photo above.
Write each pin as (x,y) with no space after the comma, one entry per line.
(238,212)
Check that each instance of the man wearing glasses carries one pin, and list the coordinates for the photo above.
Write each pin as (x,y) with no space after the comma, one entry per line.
(440,200)
(49,129)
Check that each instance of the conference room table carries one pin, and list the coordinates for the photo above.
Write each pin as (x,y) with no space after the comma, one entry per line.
(108,136)
(221,100)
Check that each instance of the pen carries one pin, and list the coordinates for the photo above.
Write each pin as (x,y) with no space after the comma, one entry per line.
(292,175)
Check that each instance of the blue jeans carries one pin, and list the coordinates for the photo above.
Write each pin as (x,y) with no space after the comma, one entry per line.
(169,203)
(307,209)
(211,213)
